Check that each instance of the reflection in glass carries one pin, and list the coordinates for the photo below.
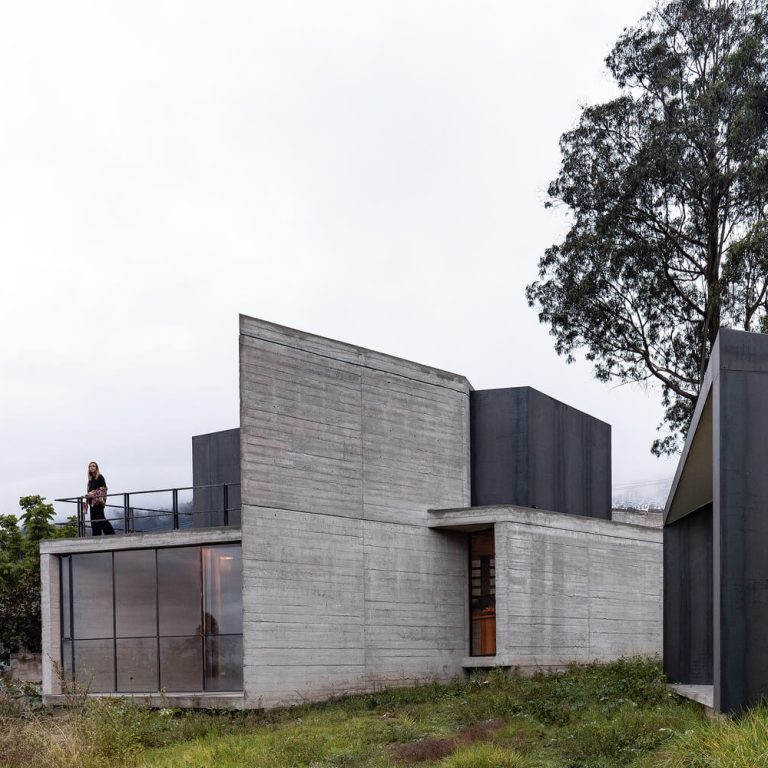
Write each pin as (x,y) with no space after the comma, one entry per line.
(135,589)
(66,617)
(181,666)
(482,590)
(180,591)
(223,590)
(224,663)
(151,511)
(192,594)
(185,501)
(208,506)
(94,665)
(92,595)
(137,665)
(234,504)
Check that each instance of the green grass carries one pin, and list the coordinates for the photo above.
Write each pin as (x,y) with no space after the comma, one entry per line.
(724,743)
(599,716)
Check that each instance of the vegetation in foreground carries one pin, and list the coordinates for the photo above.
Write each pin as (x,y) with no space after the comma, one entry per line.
(597,716)
(600,716)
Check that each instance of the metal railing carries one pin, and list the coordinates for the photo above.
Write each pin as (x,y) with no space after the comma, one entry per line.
(194,506)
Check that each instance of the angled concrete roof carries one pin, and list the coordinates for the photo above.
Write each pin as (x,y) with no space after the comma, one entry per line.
(350,353)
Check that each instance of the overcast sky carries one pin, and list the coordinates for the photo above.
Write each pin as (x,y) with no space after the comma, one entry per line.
(370,171)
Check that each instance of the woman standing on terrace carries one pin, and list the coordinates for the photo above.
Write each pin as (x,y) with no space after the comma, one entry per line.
(97,500)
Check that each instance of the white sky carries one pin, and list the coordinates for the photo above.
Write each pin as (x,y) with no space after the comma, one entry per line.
(370,171)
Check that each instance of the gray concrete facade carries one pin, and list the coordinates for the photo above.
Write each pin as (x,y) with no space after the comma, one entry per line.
(723,468)
(343,451)
(569,589)
(356,470)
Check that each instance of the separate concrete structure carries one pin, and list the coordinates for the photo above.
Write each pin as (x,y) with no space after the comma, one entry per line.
(716,531)
(568,589)
(349,581)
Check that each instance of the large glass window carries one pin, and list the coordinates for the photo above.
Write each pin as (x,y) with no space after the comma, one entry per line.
(92,596)
(153,619)
(135,589)
(180,586)
(482,590)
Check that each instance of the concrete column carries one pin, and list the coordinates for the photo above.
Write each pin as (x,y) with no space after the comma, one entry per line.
(50,607)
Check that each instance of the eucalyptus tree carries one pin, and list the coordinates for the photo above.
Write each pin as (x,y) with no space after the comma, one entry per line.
(667,191)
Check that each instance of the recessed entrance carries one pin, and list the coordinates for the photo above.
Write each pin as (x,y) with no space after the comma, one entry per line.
(482,591)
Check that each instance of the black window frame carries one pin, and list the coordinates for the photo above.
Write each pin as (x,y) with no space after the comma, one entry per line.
(67,634)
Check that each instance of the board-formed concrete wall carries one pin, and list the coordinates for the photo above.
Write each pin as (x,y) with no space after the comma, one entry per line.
(575,592)
(343,450)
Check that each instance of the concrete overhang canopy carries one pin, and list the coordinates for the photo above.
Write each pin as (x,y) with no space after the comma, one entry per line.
(469,519)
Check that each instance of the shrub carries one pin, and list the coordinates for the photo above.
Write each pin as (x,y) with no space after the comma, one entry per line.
(616,739)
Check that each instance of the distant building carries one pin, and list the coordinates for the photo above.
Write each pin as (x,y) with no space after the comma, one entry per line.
(651,518)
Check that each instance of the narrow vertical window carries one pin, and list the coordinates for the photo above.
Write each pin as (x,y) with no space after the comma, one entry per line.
(223,618)
(482,592)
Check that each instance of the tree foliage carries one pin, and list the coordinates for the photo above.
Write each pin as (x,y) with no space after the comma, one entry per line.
(20,624)
(667,187)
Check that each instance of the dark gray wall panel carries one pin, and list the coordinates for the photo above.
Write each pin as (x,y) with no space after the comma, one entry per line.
(500,454)
(737,381)
(741,598)
(215,460)
(688,599)
(533,451)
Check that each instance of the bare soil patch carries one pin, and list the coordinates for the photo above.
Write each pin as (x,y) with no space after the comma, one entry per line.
(431,749)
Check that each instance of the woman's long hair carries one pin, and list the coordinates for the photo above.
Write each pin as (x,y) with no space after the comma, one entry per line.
(89,476)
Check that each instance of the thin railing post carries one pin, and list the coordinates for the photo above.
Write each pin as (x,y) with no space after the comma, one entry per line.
(126,513)
(175,493)
(226,504)
(80,517)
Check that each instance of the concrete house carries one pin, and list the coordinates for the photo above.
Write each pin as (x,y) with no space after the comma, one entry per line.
(382,523)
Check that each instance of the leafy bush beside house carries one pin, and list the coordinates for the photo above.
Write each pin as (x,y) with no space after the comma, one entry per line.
(20,624)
